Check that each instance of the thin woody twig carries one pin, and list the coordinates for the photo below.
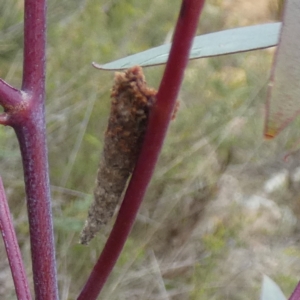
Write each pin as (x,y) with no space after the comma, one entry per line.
(34,63)
(12,248)
(29,125)
(24,111)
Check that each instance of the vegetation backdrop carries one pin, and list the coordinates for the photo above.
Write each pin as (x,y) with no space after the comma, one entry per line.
(222,207)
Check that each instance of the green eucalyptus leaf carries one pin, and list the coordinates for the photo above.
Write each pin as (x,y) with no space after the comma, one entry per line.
(212,44)
(270,290)
(283,103)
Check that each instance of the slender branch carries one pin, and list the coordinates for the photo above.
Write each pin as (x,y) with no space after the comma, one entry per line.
(31,136)
(12,248)
(158,124)
(24,111)
(296,293)
(28,122)
(34,46)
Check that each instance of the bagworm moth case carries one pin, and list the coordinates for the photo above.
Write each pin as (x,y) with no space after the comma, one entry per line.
(131,102)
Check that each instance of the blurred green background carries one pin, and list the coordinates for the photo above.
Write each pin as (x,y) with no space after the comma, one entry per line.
(191,239)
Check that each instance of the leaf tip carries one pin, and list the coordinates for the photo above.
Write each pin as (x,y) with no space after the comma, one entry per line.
(97,66)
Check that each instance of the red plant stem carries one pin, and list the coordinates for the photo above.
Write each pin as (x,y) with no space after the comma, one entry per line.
(12,248)
(29,125)
(31,136)
(24,111)
(157,128)
(34,63)
(296,293)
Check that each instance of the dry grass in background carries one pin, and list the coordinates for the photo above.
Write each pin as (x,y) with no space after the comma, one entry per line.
(222,207)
